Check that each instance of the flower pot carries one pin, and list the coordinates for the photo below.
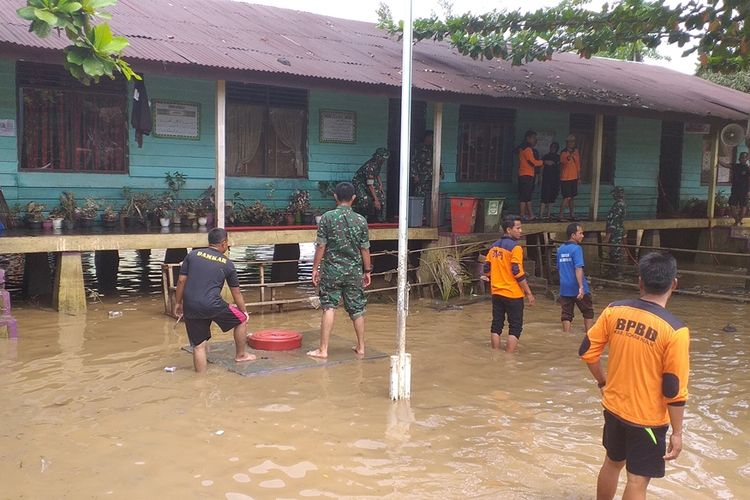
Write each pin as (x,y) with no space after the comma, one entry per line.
(86,222)
(289,219)
(202,221)
(57,223)
(308,218)
(110,223)
(317,219)
(210,219)
(132,221)
(176,220)
(69,224)
(46,225)
(164,221)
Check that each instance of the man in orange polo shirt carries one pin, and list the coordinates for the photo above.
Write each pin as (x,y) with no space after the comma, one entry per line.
(645,387)
(528,162)
(570,175)
(503,268)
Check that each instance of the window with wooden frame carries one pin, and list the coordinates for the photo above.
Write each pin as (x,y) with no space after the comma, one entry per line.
(582,126)
(68,127)
(266,131)
(485,138)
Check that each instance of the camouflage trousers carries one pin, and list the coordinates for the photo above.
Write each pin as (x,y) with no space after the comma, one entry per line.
(616,252)
(335,287)
(363,204)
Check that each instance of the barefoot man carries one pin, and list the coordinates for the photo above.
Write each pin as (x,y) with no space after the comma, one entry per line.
(202,276)
(342,267)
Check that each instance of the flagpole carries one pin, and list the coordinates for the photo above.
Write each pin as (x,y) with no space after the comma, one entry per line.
(401,363)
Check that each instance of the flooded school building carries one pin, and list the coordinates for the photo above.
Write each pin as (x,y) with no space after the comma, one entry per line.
(264,102)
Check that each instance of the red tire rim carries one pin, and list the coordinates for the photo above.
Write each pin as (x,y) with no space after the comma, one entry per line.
(274,340)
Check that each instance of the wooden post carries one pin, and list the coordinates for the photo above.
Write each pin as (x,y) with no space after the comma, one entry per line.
(437,150)
(596,159)
(714,175)
(221,150)
(69,294)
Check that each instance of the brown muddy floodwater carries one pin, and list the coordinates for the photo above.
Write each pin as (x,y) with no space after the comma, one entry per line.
(88,412)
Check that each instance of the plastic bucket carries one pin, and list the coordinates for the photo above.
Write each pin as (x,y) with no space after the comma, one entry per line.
(416,211)
(463,214)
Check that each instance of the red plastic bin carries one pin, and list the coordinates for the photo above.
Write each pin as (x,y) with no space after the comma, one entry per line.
(463,214)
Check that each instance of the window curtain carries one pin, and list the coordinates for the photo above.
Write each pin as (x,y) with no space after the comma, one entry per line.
(244,131)
(289,125)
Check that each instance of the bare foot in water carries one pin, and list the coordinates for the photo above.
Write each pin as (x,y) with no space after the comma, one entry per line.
(245,357)
(358,353)
(317,353)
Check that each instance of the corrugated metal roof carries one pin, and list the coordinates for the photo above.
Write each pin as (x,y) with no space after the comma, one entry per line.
(255,38)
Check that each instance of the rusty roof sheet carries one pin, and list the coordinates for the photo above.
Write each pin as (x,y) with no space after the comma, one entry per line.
(261,39)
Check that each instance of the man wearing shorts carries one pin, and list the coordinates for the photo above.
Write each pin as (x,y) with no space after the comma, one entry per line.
(503,267)
(570,175)
(574,287)
(202,276)
(645,387)
(740,177)
(342,267)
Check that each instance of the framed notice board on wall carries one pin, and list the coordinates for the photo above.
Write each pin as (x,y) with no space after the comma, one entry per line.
(339,127)
(177,120)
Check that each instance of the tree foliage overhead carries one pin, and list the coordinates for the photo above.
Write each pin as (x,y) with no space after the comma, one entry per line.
(716,29)
(737,81)
(95,51)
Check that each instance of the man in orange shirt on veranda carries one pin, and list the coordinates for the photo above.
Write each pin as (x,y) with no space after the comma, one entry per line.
(528,162)
(645,387)
(503,268)
(570,175)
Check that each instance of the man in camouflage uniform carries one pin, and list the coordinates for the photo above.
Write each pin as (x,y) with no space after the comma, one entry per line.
(368,187)
(616,229)
(342,267)
(420,168)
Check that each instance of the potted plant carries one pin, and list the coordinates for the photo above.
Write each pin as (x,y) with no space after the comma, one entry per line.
(110,218)
(137,207)
(299,202)
(56,215)
(721,204)
(163,206)
(88,212)
(34,215)
(188,210)
(257,214)
(234,210)
(207,203)
(14,215)
(69,208)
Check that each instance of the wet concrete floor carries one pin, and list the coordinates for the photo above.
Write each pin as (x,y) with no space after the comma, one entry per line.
(89,412)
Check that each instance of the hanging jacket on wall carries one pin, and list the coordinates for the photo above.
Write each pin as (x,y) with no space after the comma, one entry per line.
(140,118)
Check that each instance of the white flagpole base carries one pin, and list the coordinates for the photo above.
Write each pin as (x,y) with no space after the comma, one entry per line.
(400,377)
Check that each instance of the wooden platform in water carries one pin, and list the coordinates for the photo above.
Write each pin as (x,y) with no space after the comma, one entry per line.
(339,352)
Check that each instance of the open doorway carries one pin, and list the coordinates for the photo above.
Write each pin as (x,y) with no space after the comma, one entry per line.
(418,126)
(670,168)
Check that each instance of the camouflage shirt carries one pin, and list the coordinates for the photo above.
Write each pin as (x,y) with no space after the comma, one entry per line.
(344,233)
(616,218)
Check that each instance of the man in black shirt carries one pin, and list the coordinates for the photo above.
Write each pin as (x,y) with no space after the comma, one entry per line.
(740,184)
(202,276)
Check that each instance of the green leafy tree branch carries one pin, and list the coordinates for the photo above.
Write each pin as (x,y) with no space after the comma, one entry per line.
(95,51)
(717,29)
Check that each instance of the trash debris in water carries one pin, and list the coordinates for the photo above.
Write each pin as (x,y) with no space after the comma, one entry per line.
(170,369)
(220,432)
(729,328)
(115,314)
(315,301)
(45,464)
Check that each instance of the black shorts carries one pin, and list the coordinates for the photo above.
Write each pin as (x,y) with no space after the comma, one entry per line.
(738,199)
(525,187)
(549,192)
(513,309)
(643,451)
(585,305)
(569,189)
(199,329)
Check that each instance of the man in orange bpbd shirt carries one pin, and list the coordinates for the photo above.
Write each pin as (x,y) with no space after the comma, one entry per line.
(528,162)
(503,268)
(570,175)
(645,387)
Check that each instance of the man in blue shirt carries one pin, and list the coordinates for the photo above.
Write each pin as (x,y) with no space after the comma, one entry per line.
(574,288)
